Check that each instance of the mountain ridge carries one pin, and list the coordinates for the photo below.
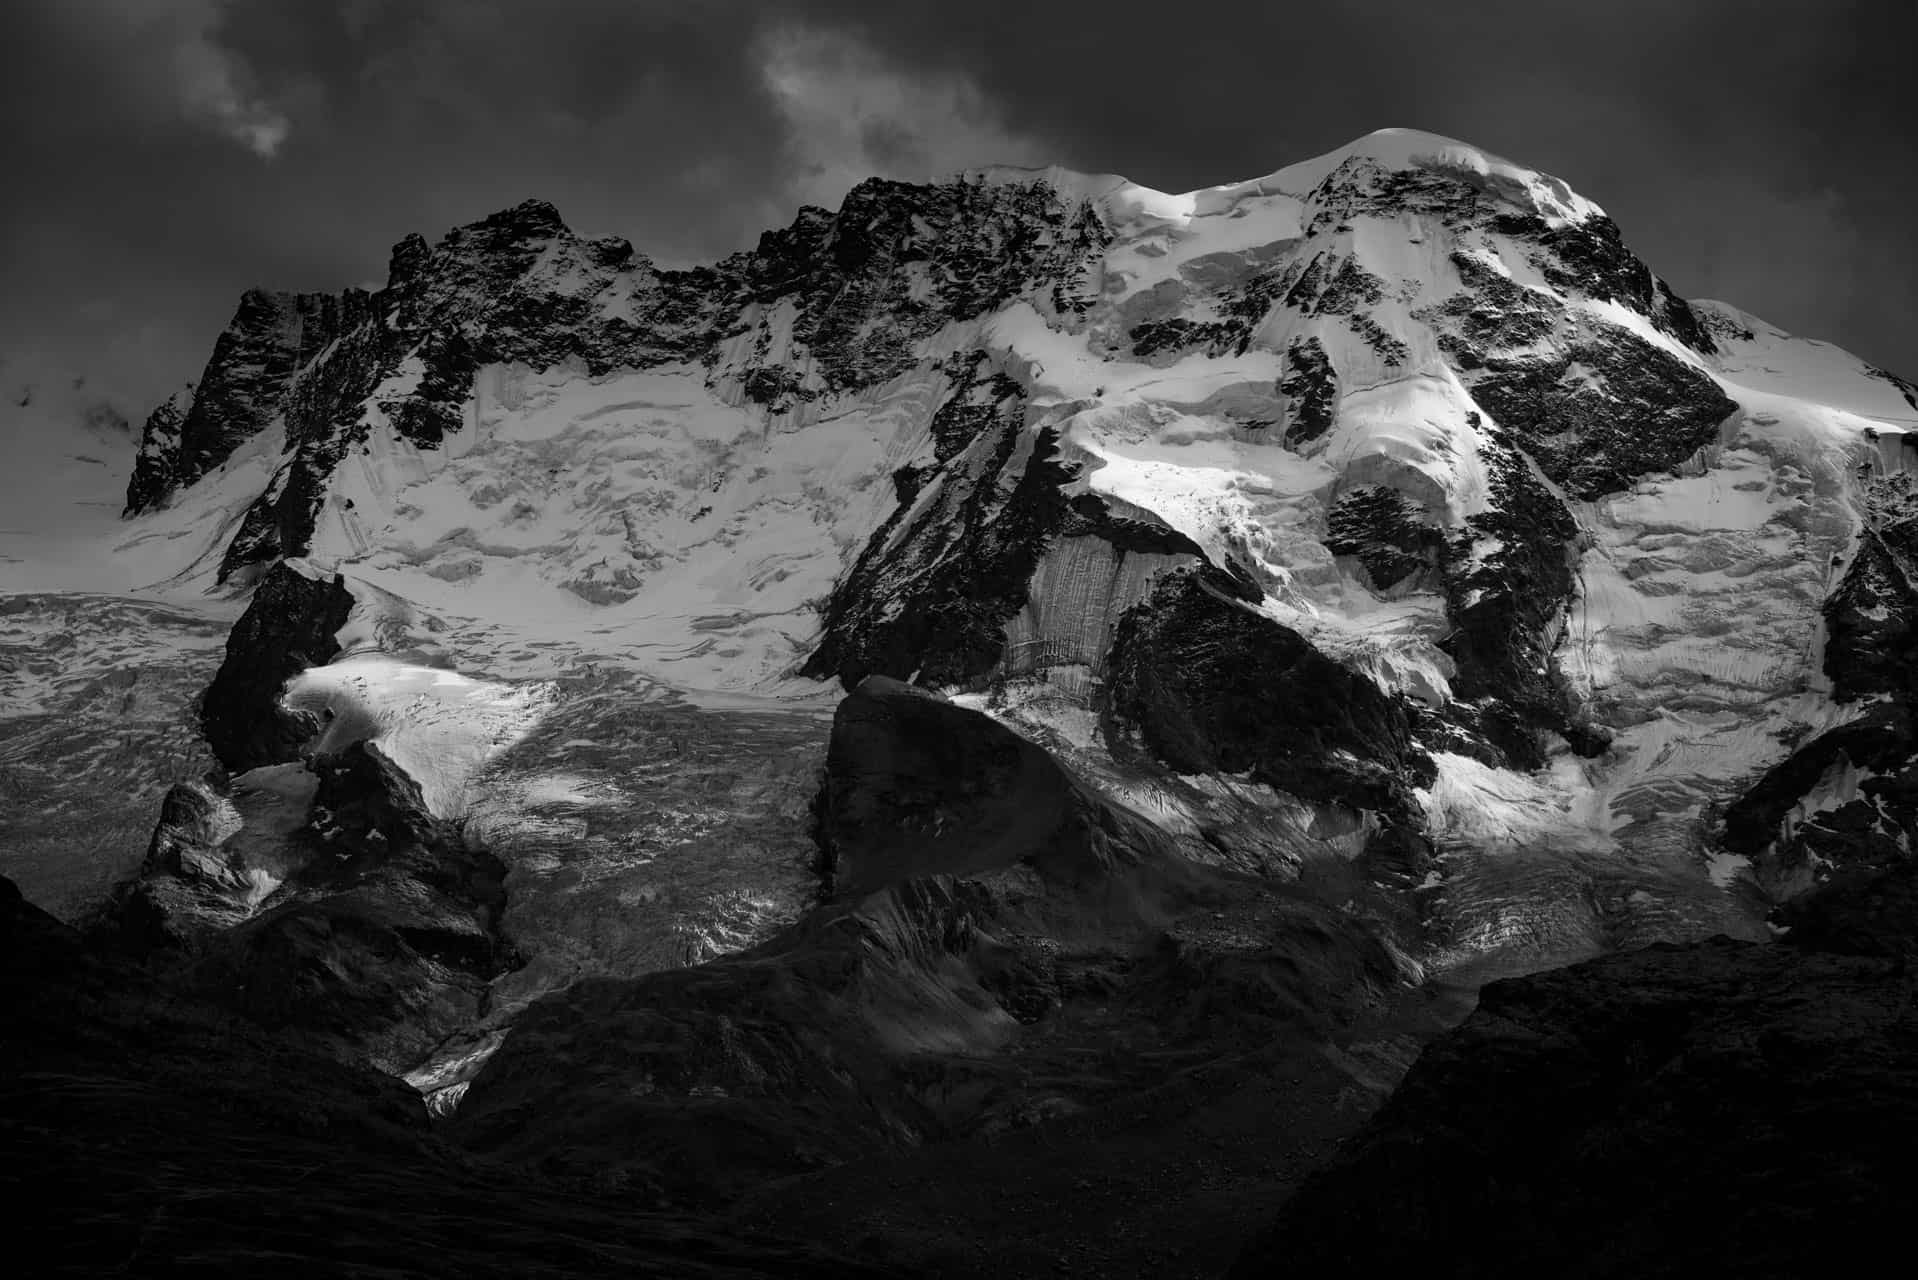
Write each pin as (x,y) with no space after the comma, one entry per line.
(1377,578)
(1393,398)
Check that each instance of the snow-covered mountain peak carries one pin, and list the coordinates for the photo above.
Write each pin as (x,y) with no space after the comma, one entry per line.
(1400,150)
(1380,384)
(1141,471)
(1407,316)
(1126,203)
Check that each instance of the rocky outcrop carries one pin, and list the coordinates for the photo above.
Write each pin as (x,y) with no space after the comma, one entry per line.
(1240,312)
(516,286)
(1864,819)
(288,626)
(1845,801)
(1508,579)
(365,806)
(1386,532)
(1871,620)
(157,460)
(899,261)
(929,596)
(271,338)
(1492,313)
(147,1132)
(1721,1107)
(187,885)
(371,931)
(1602,410)
(1311,388)
(384,942)
(1210,686)
(918,787)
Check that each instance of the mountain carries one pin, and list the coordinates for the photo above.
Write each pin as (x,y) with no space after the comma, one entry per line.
(1018,658)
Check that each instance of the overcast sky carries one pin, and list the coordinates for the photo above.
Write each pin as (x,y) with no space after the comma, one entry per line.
(159,156)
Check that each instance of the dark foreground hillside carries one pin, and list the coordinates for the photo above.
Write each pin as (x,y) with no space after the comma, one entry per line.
(143,1134)
(1020,1036)
(1714,1109)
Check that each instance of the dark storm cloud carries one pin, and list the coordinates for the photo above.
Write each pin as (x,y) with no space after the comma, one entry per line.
(161,155)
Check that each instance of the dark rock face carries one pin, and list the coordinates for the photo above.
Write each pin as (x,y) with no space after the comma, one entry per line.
(1320,289)
(918,787)
(929,596)
(1494,313)
(1871,620)
(1327,284)
(1719,1108)
(977,245)
(288,627)
(1311,388)
(1792,822)
(1868,831)
(1210,686)
(1361,185)
(366,806)
(1386,531)
(1590,257)
(776,387)
(993,923)
(1603,411)
(147,1132)
(369,974)
(186,884)
(1863,915)
(1505,603)
(749,1068)
(1240,309)
(271,338)
(1331,285)
(385,942)
(154,465)
(982,400)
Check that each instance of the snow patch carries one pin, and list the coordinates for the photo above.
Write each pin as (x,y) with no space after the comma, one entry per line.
(438,726)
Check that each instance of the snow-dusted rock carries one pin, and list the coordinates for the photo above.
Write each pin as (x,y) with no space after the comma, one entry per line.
(289,626)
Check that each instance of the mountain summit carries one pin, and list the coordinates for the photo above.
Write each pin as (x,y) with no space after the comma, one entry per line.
(1414,403)
(1240,614)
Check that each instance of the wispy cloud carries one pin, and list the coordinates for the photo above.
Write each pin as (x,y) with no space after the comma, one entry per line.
(214,87)
(849,113)
(168,58)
